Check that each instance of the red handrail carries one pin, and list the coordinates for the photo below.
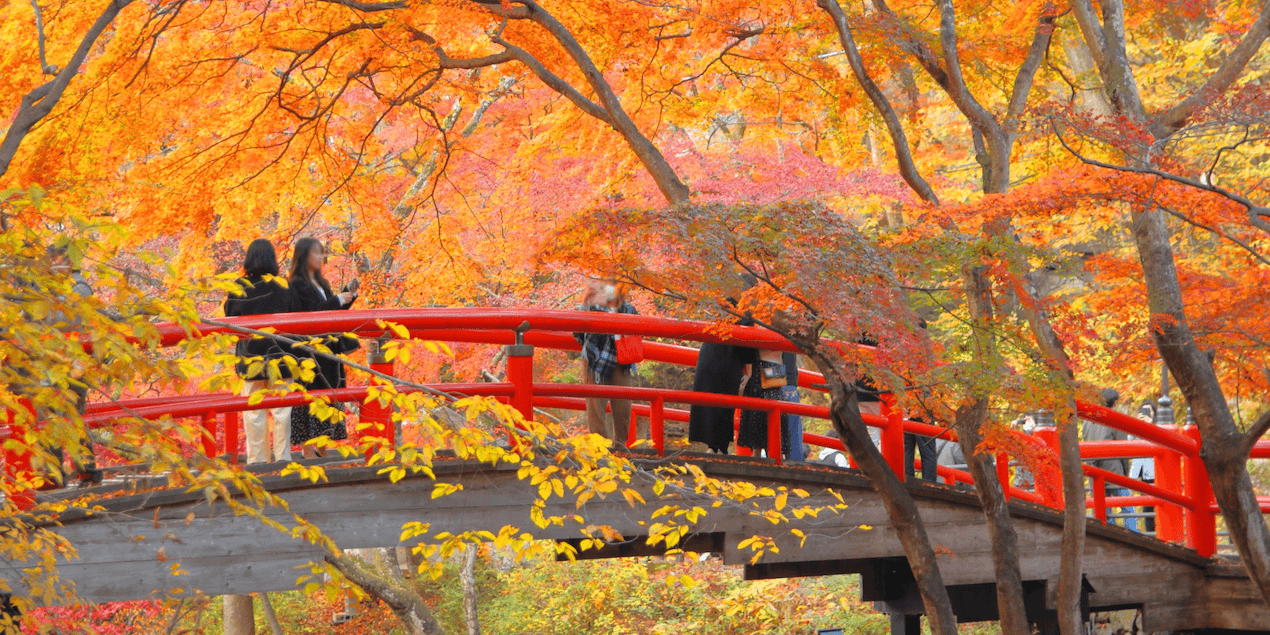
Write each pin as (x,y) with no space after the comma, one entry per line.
(551,329)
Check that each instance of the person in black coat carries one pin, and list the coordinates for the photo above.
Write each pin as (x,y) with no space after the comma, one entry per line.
(314,294)
(262,294)
(719,370)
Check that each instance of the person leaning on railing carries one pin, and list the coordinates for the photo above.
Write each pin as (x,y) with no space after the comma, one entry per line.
(600,367)
(260,294)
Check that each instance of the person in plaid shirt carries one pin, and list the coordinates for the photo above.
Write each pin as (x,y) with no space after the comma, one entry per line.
(599,365)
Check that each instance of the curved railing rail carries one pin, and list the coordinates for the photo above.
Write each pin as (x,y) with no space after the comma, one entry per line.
(1182,492)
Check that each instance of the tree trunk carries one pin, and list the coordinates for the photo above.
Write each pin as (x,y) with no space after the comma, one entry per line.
(1222,449)
(996,511)
(403,601)
(468,575)
(844,412)
(272,618)
(1070,573)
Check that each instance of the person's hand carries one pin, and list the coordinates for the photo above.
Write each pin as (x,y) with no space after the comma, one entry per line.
(345,298)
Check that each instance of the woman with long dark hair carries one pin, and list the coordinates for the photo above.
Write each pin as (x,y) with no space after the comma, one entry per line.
(315,294)
(261,360)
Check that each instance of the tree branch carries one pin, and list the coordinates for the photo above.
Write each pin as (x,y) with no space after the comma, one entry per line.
(370,7)
(1255,212)
(1027,72)
(38,103)
(1091,30)
(1254,434)
(40,40)
(903,155)
(555,82)
(1172,120)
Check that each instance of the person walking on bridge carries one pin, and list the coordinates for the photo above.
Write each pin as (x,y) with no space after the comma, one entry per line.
(260,294)
(315,294)
(600,367)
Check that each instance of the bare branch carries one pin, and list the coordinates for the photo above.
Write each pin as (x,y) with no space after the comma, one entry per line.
(1172,120)
(903,155)
(555,82)
(1027,72)
(39,32)
(1254,434)
(370,7)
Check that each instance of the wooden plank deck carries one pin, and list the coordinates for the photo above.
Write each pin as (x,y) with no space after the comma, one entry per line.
(221,553)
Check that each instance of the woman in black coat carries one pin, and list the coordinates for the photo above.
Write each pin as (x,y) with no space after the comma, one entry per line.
(314,294)
(261,294)
(719,370)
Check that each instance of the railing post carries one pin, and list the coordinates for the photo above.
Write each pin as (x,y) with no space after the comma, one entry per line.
(17,464)
(1201,526)
(520,372)
(1043,483)
(774,435)
(893,436)
(632,430)
(1003,473)
(1100,499)
(233,422)
(657,425)
(209,434)
(736,435)
(372,412)
(1170,526)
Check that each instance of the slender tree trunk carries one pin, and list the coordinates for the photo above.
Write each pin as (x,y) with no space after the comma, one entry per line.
(844,412)
(1070,574)
(468,576)
(270,616)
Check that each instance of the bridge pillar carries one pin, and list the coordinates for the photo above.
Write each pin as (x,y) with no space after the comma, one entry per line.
(893,436)
(1050,489)
(238,616)
(1201,523)
(371,411)
(17,464)
(520,372)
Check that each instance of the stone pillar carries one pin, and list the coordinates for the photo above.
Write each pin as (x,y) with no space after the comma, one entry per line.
(239,618)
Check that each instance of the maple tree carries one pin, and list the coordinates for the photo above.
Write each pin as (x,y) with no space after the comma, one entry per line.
(441,148)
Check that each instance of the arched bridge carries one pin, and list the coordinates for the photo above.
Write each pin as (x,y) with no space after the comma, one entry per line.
(128,549)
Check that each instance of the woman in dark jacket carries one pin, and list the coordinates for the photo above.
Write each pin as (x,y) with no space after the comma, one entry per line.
(262,294)
(314,294)
(720,368)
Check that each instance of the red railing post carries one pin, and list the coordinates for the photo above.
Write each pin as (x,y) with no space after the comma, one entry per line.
(893,436)
(774,435)
(372,411)
(1170,525)
(233,423)
(1043,482)
(632,430)
(1201,525)
(520,372)
(736,435)
(209,434)
(1100,499)
(657,425)
(17,464)
(1003,473)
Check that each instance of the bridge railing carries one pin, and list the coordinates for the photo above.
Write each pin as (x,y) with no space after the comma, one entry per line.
(1181,492)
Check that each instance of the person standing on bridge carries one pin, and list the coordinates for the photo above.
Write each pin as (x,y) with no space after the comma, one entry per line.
(314,294)
(1092,431)
(600,367)
(262,294)
(720,368)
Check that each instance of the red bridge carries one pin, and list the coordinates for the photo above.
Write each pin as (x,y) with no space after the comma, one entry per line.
(1175,577)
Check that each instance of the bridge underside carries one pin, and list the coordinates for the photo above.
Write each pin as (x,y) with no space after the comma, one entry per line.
(119,555)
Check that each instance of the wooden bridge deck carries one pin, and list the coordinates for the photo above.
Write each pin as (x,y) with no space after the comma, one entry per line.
(358,508)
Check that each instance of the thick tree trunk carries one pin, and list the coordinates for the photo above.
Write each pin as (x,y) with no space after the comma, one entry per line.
(844,412)
(403,601)
(996,511)
(1223,446)
(238,618)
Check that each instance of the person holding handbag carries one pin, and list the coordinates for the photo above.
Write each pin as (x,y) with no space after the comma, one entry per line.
(767,381)
(315,294)
(600,365)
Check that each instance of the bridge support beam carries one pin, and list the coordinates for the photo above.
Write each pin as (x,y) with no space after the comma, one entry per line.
(239,616)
